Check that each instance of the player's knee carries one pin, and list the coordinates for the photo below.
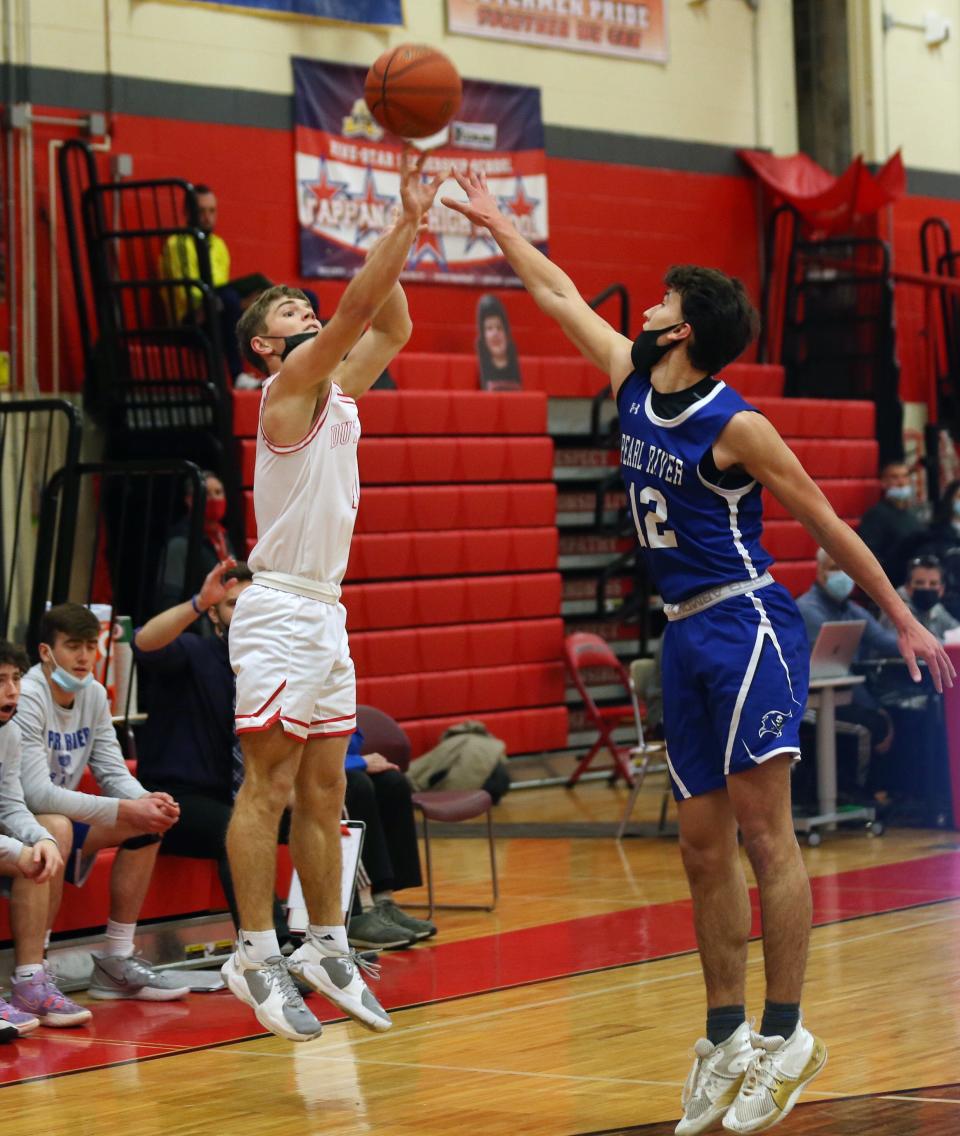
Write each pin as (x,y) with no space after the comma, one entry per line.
(60,828)
(767,849)
(704,860)
(322,790)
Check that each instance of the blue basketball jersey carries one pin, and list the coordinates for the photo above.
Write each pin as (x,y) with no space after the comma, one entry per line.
(694,535)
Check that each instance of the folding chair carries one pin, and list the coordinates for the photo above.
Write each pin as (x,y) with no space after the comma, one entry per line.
(585,651)
(381,734)
(641,671)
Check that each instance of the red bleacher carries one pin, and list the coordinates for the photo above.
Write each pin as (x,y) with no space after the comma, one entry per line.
(416,649)
(416,603)
(456,526)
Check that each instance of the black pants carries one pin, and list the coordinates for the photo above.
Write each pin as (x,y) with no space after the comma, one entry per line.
(390,854)
(201,832)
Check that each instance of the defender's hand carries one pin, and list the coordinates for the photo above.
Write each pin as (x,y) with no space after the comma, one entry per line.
(481,207)
(915,641)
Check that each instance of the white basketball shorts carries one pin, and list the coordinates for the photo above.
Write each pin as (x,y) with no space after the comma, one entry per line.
(292,661)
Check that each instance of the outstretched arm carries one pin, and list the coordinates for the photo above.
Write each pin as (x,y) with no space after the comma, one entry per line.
(310,366)
(551,288)
(750,441)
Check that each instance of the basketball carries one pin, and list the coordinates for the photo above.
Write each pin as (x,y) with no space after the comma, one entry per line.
(413,90)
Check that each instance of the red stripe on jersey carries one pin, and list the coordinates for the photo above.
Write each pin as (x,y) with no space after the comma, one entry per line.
(294,447)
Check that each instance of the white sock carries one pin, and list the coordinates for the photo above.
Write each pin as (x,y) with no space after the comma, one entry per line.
(46,942)
(381,896)
(120,939)
(25,973)
(366,899)
(258,946)
(330,940)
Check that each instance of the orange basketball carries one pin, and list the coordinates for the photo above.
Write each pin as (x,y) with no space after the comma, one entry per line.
(413,90)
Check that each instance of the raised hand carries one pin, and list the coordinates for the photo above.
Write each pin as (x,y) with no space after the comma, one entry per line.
(417,195)
(214,590)
(915,641)
(481,206)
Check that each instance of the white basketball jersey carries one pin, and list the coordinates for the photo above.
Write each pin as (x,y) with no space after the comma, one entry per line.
(306,495)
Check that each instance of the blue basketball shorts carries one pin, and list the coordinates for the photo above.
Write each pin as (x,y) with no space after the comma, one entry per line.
(735,682)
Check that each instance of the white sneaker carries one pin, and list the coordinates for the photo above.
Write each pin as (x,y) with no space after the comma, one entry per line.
(271,993)
(338,978)
(776,1077)
(715,1079)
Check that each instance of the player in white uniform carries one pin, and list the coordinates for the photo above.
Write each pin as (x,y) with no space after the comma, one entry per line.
(296,693)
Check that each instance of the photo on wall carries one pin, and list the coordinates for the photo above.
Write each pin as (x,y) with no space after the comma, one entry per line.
(499,364)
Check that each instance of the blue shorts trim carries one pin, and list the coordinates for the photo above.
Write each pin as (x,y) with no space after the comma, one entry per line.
(735,680)
(79,866)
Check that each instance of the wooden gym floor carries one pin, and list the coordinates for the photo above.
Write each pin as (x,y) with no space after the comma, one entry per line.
(570,1010)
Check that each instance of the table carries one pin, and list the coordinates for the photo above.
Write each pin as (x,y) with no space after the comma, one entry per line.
(826,694)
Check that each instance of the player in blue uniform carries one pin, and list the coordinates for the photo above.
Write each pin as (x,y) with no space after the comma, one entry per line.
(735,659)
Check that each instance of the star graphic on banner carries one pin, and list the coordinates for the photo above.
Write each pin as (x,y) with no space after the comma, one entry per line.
(520,205)
(324,190)
(371,199)
(479,233)
(429,245)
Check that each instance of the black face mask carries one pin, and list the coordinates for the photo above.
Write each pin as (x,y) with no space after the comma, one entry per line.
(646,353)
(923,599)
(291,341)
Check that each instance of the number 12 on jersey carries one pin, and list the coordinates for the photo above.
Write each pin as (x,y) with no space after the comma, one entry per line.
(654,519)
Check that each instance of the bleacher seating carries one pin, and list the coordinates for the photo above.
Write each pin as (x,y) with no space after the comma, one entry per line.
(455,554)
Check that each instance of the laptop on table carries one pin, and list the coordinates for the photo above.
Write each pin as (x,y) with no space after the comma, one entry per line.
(835,648)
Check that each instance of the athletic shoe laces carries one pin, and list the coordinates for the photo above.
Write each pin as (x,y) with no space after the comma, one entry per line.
(761,1072)
(283,981)
(367,966)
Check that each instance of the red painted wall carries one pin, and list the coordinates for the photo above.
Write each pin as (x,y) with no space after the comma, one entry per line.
(608,222)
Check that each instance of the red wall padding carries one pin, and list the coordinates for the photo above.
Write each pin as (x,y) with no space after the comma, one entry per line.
(470,692)
(817,418)
(389,556)
(425,507)
(378,653)
(418,603)
(850,498)
(415,412)
(399,461)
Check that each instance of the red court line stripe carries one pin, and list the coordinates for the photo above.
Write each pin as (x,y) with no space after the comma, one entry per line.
(523,957)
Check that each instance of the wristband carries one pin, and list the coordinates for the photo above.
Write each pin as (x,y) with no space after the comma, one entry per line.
(196,607)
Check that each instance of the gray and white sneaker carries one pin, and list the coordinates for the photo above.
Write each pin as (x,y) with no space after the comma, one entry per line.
(269,990)
(338,978)
(133,977)
(418,928)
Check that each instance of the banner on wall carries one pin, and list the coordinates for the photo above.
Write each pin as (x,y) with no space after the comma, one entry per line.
(343,11)
(631,29)
(348,177)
